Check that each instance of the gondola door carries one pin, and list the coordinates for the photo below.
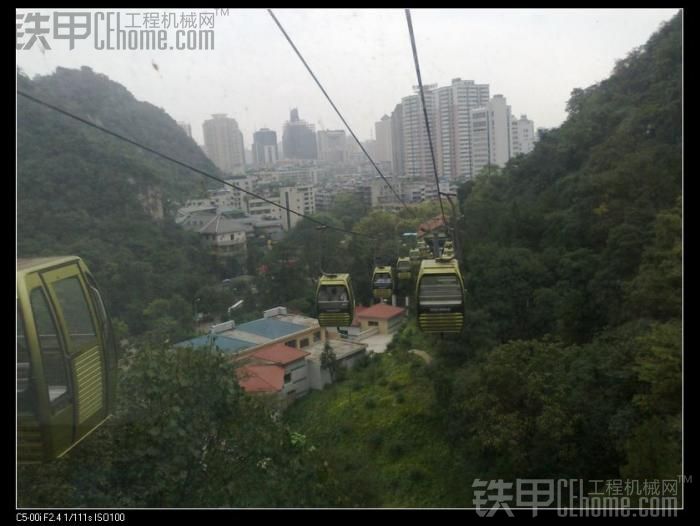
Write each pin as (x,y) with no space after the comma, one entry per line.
(46,399)
(86,354)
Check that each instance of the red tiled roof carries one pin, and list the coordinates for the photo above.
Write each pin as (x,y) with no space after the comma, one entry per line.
(430,225)
(381,311)
(355,320)
(261,378)
(279,353)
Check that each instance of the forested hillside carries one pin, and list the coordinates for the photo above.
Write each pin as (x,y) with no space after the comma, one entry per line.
(569,365)
(83,192)
(570,361)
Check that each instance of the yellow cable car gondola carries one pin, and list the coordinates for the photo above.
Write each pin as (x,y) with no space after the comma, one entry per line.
(403,269)
(448,251)
(335,300)
(424,250)
(383,282)
(440,296)
(66,357)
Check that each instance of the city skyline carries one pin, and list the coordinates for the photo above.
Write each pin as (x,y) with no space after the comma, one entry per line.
(362,57)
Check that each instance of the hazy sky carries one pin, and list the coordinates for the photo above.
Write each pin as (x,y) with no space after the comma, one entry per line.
(534,57)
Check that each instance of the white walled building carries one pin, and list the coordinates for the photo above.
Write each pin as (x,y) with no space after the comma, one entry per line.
(299,198)
(382,131)
(332,146)
(523,135)
(466,95)
(449,113)
(417,161)
(491,134)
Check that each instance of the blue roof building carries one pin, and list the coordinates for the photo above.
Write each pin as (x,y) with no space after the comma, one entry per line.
(275,326)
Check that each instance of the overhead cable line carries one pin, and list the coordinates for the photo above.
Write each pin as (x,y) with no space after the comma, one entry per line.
(335,108)
(425,111)
(183,164)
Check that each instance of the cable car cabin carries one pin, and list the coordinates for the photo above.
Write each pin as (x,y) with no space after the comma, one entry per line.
(403,269)
(440,296)
(335,300)
(383,282)
(424,250)
(66,357)
(448,250)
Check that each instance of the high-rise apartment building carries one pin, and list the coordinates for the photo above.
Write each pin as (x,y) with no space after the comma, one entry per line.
(397,144)
(417,161)
(299,138)
(332,146)
(224,143)
(466,95)
(382,131)
(491,133)
(265,147)
(449,113)
(523,135)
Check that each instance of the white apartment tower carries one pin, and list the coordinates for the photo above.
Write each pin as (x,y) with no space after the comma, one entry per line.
(332,146)
(449,112)
(224,143)
(382,130)
(466,96)
(417,161)
(523,135)
(491,134)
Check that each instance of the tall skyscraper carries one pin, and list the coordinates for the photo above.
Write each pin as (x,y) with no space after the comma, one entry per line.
(417,161)
(397,144)
(332,146)
(224,143)
(491,134)
(449,113)
(299,138)
(265,147)
(382,130)
(466,95)
(442,131)
(523,135)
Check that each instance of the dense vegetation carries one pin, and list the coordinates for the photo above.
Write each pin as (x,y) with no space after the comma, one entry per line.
(184,435)
(378,429)
(83,192)
(570,362)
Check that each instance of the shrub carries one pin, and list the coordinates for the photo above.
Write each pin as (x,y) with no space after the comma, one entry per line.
(395,386)
(397,450)
(416,474)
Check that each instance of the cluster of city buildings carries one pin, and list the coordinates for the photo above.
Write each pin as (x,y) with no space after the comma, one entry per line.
(305,170)
(470,129)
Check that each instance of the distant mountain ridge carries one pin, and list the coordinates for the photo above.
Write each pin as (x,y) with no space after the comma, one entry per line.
(83,192)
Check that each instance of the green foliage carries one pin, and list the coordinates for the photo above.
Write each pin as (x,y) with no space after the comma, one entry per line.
(83,192)
(569,363)
(184,436)
(394,455)
(329,361)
